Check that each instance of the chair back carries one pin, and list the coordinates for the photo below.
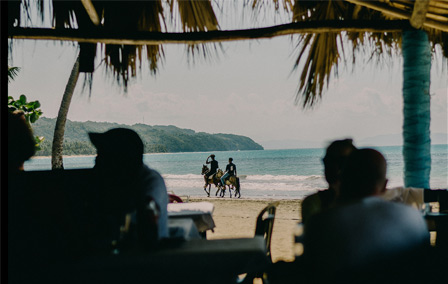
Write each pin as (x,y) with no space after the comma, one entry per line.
(265,224)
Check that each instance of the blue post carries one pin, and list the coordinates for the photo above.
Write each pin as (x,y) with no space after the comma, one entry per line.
(416,108)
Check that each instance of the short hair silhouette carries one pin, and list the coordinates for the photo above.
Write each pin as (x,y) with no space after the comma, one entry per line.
(21,143)
(364,173)
(336,157)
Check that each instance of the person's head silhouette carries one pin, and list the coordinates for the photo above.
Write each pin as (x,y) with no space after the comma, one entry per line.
(118,150)
(21,143)
(364,175)
(335,159)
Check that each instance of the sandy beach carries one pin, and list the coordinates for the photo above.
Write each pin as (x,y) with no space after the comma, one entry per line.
(236,218)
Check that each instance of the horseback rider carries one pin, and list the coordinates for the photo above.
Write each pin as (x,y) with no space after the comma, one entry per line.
(230,171)
(213,167)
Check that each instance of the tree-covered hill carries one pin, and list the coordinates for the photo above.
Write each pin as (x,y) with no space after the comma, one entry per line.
(157,139)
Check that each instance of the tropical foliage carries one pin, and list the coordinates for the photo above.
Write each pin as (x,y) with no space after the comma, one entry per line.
(157,139)
(320,51)
(319,54)
(31,110)
(123,61)
(12,73)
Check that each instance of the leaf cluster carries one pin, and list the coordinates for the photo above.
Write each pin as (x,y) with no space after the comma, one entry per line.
(319,54)
(123,61)
(31,110)
(12,73)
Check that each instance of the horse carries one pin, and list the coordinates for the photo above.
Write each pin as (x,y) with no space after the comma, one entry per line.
(213,179)
(234,183)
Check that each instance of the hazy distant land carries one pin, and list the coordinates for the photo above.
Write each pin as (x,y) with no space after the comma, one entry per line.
(171,139)
(157,139)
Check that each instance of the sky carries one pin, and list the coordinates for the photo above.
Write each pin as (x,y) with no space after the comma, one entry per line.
(249,90)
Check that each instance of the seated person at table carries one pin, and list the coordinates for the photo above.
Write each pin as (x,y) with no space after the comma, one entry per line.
(38,229)
(334,161)
(124,184)
(364,236)
(20,249)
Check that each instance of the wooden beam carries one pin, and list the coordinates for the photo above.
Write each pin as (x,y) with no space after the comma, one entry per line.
(439,4)
(418,16)
(384,8)
(156,38)
(394,12)
(439,12)
(438,18)
(91,11)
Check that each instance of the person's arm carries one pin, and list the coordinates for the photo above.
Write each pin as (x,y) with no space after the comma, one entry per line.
(155,188)
(206,161)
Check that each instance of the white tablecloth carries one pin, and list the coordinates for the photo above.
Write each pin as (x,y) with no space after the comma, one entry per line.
(205,207)
(200,212)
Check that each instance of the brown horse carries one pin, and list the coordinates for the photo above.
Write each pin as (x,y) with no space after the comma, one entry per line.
(213,179)
(234,183)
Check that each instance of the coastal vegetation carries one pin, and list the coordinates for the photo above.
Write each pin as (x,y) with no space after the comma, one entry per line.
(31,110)
(157,139)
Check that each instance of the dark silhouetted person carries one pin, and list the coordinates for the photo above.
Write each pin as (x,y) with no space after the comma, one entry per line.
(365,239)
(37,228)
(230,171)
(213,167)
(21,143)
(125,186)
(334,162)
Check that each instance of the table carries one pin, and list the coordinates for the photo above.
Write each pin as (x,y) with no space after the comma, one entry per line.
(438,221)
(183,228)
(200,212)
(436,216)
(198,261)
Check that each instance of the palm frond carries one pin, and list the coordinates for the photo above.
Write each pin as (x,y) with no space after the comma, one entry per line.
(323,49)
(268,11)
(323,56)
(199,16)
(64,14)
(259,5)
(124,60)
(17,8)
(12,73)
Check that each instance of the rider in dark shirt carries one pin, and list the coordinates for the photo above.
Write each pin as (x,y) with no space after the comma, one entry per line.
(230,171)
(213,167)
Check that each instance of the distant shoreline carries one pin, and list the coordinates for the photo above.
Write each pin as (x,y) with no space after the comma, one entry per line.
(70,156)
(63,156)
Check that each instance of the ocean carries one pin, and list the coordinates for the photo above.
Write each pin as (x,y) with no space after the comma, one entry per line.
(273,174)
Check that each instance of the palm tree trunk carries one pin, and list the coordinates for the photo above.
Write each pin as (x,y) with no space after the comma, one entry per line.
(416,108)
(58,138)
